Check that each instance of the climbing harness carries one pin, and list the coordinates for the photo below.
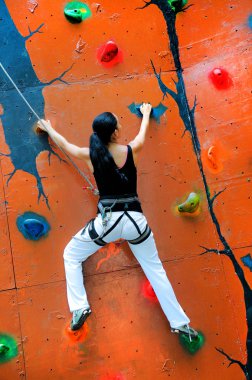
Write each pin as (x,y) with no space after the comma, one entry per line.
(90,225)
(91,186)
(105,206)
(109,203)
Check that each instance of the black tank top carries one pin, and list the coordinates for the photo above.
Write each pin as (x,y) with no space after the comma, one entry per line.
(110,185)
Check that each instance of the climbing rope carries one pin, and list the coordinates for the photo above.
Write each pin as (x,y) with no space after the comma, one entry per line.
(91,186)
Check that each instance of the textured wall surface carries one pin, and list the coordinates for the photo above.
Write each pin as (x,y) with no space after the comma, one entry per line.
(202,147)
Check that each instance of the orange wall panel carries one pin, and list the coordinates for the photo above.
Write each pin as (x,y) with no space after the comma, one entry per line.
(127,336)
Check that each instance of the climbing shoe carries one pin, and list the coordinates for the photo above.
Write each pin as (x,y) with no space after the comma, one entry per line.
(79,318)
(186,330)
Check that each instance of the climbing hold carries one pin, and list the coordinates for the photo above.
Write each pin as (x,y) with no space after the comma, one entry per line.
(97,6)
(80,45)
(191,204)
(250,21)
(193,345)
(220,78)
(138,110)
(247,261)
(117,376)
(148,292)
(156,112)
(8,348)
(32,5)
(212,158)
(3,349)
(32,226)
(37,130)
(109,54)
(177,5)
(76,12)
(77,336)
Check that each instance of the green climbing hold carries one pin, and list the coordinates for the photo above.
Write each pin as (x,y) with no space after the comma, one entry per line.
(191,204)
(76,12)
(8,348)
(177,5)
(3,349)
(194,345)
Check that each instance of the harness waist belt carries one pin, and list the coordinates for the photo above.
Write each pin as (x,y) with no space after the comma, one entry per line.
(130,203)
(119,200)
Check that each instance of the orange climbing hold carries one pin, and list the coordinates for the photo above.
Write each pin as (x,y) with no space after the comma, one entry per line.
(214,157)
(77,336)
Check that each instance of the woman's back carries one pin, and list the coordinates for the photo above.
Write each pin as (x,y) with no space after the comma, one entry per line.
(119,153)
(121,182)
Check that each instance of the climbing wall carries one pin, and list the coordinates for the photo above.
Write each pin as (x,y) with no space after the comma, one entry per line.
(195,184)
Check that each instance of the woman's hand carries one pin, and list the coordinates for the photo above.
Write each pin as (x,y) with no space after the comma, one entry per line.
(146,109)
(44,125)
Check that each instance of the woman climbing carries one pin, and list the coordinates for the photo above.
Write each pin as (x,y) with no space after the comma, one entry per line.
(119,216)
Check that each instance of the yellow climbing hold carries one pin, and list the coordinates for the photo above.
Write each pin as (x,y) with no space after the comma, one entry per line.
(191,204)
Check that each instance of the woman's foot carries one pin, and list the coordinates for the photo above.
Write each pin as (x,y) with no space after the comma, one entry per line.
(79,318)
(187,330)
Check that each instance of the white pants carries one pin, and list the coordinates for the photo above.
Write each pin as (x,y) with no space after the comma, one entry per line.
(80,248)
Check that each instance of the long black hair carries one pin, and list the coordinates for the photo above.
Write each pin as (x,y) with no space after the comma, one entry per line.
(104,125)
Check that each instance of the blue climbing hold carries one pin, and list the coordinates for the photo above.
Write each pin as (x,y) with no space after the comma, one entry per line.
(247,261)
(156,112)
(32,225)
(250,21)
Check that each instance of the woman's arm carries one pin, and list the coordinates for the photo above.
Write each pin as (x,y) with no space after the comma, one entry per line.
(139,140)
(75,151)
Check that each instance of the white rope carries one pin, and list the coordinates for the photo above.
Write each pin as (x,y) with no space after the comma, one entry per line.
(91,186)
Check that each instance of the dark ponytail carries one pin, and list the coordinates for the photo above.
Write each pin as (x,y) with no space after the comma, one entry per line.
(104,125)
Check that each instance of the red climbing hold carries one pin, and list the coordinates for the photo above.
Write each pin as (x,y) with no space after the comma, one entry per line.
(110,51)
(113,377)
(148,292)
(109,54)
(220,78)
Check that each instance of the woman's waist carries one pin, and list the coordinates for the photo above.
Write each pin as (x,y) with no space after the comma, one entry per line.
(122,202)
(119,198)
